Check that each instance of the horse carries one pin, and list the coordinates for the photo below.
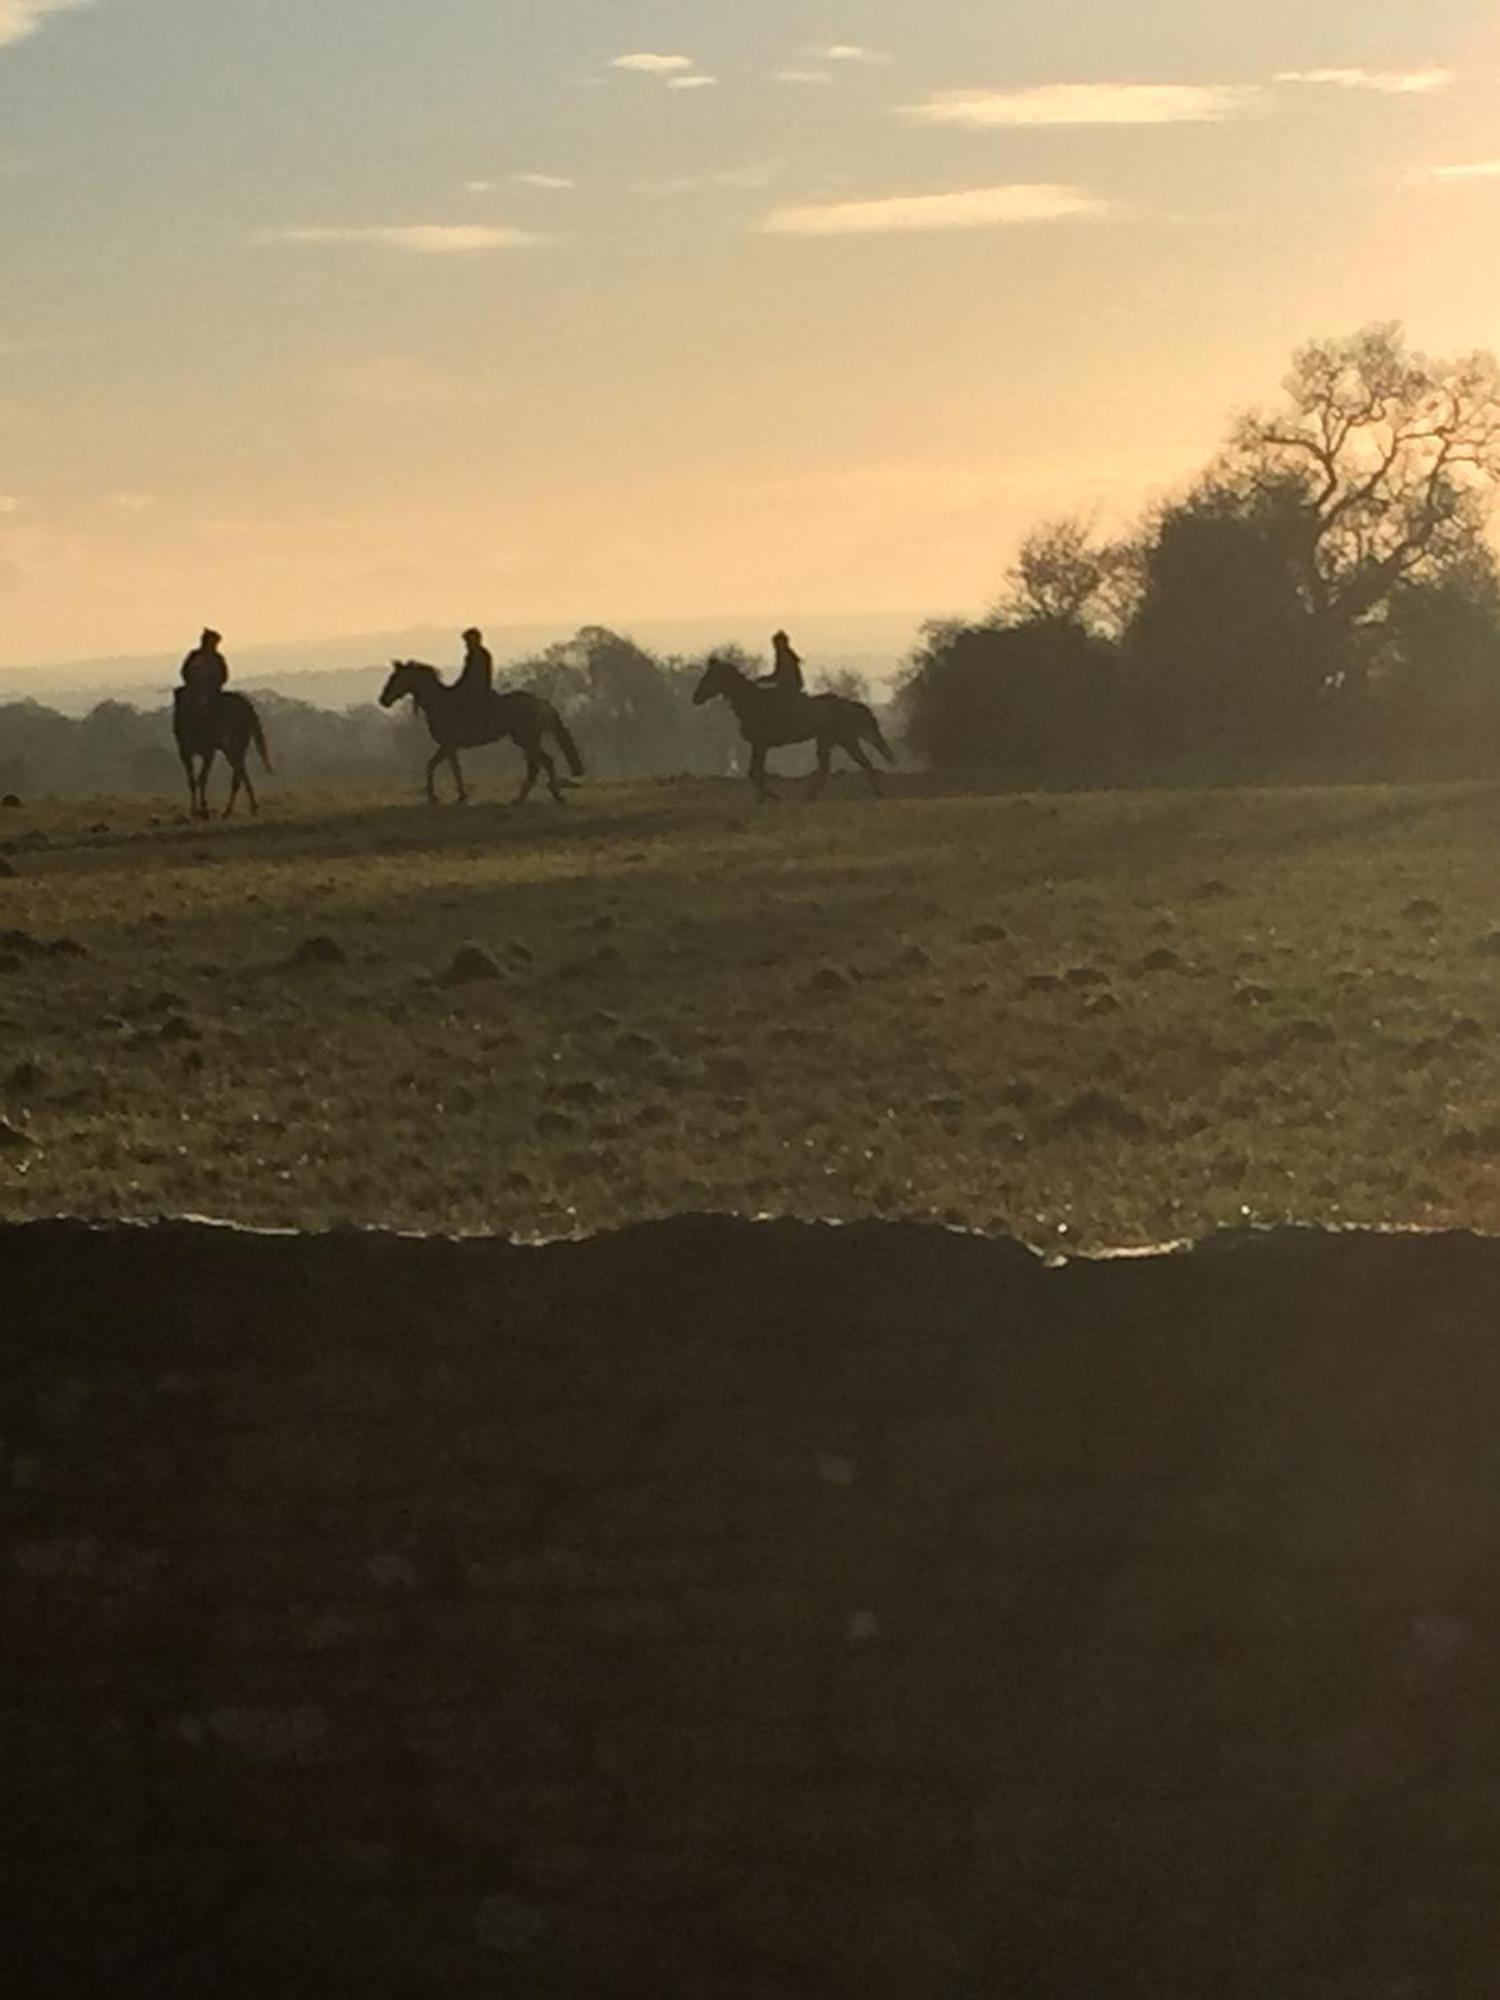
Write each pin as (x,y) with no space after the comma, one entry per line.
(770,718)
(205,727)
(459,720)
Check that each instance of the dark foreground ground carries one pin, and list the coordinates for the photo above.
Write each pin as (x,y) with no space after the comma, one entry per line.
(722,1610)
(1115,1018)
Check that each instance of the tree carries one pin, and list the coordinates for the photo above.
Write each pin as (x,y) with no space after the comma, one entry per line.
(1438,699)
(1391,459)
(1227,668)
(846,682)
(632,711)
(1064,575)
(1035,703)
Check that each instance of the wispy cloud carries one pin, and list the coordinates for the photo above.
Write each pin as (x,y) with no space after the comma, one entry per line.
(19,18)
(1466,170)
(756,174)
(963,208)
(10,503)
(426,239)
(800,76)
(1388,82)
(553,182)
(647,64)
(1087,104)
(691,82)
(849,52)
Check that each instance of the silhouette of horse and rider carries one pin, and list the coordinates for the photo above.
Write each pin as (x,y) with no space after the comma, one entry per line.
(468,712)
(209,722)
(773,711)
(776,711)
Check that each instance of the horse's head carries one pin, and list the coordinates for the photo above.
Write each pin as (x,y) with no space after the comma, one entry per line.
(406,677)
(719,676)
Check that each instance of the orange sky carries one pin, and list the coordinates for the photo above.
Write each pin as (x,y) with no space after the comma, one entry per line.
(623,311)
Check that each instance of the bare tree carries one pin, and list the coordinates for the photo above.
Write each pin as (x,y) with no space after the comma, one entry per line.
(1064,574)
(1389,458)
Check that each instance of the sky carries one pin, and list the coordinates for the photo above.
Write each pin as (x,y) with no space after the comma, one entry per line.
(325,318)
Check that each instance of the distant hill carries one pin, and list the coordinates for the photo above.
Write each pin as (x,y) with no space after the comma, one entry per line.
(340,673)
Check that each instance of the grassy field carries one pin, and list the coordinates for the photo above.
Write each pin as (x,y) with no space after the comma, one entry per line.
(1101,1019)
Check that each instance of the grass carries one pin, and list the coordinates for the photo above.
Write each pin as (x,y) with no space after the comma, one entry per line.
(1111,1018)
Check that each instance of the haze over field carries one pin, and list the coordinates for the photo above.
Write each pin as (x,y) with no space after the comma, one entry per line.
(331,321)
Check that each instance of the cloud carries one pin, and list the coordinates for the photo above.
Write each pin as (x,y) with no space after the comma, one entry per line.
(800,76)
(849,52)
(549,181)
(1087,104)
(10,503)
(19,18)
(757,174)
(1388,82)
(691,82)
(964,208)
(647,64)
(1468,170)
(427,239)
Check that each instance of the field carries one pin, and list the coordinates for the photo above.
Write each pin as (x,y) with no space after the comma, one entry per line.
(1089,1019)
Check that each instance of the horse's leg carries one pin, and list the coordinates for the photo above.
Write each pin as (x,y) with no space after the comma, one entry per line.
(758,773)
(533,772)
(857,752)
(439,757)
(236,776)
(203,778)
(820,776)
(192,782)
(458,777)
(549,766)
(242,778)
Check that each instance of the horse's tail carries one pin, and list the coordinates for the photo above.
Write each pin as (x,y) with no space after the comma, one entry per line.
(870,730)
(258,736)
(565,741)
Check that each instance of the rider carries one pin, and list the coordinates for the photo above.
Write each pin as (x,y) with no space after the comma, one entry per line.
(477,678)
(786,675)
(205,671)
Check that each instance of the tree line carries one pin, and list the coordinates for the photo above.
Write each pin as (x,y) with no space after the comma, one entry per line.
(630,708)
(1322,600)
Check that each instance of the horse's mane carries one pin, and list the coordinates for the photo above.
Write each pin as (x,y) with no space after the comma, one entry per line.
(417,667)
(726,665)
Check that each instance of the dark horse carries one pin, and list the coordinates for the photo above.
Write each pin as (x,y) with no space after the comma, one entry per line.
(204,728)
(457,720)
(770,718)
